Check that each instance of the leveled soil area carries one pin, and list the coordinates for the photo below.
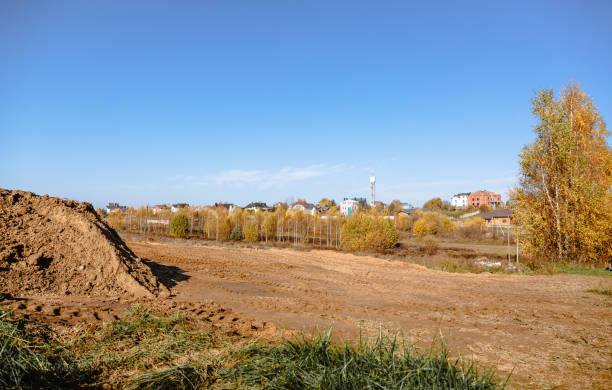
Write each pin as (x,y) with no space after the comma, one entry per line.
(50,245)
(547,330)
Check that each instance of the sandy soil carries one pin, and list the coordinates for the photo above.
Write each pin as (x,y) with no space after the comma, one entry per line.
(548,330)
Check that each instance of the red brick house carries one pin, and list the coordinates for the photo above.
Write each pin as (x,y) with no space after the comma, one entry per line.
(484,197)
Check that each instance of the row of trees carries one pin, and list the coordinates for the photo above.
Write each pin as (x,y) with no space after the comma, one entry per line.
(332,230)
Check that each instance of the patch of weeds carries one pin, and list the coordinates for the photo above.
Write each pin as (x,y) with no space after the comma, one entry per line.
(148,350)
(144,340)
(565,268)
(28,359)
(183,377)
(317,363)
(602,291)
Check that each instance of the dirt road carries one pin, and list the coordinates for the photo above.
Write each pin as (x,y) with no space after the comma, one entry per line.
(548,329)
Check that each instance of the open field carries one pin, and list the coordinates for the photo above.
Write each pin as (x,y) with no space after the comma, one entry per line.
(546,330)
(549,329)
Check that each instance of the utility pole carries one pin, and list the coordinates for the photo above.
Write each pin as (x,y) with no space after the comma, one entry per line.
(508,245)
(517,244)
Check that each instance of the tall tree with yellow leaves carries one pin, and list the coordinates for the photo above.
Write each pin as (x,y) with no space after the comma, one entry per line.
(563,204)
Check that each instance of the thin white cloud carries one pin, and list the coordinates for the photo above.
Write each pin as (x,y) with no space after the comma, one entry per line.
(237,176)
(272,179)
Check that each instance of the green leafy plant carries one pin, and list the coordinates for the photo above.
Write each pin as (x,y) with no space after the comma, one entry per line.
(179,226)
(236,234)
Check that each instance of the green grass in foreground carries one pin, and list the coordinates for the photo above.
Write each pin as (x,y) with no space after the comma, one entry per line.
(316,363)
(152,351)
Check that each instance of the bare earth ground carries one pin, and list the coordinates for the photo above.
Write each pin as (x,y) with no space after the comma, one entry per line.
(548,330)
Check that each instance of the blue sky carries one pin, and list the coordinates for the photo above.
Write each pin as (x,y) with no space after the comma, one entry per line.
(153,102)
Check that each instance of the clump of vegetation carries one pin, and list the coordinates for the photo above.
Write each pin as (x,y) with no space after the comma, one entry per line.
(433,204)
(179,226)
(24,364)
(122,353)
(431,223)
(602,291)
(429,245)
(250,232)
(473,229)
(186,376)
(317,363)
(362,231)
(236,234)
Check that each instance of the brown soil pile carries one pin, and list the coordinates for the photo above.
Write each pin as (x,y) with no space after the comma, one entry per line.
(50,245)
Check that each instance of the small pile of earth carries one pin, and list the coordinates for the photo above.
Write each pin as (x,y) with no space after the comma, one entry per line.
(50,245)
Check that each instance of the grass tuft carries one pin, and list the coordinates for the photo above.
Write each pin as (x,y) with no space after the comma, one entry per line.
(29,360)
(317,363)
(183,377)
(602,291)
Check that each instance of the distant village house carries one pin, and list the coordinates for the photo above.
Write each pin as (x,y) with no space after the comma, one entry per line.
(484,197)
(460,200)
(499,217)
(349,207)
(228,206)
(306,207)
(178,206)
(254,206)
(113,206)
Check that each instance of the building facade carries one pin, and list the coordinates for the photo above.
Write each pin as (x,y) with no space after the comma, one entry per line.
(304,206)
(349,207)
(460,200)
(254,206)
(499,217)
(484,197)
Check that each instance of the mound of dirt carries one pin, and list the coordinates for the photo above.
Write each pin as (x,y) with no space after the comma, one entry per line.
(50,245)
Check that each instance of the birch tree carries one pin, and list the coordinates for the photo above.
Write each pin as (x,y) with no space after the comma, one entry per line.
(563,204)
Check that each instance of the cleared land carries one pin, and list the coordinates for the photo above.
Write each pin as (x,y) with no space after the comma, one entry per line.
(549,329)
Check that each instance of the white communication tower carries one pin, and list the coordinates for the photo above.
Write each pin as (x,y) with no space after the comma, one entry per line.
(372,189)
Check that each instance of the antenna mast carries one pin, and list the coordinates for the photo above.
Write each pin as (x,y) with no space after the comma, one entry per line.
(372,190)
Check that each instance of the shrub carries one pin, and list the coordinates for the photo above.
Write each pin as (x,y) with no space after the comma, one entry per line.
(430,245)
(405,222)
(433,204)
(250,232)
(236,234)
(179,226)
(474,228)
(362,231)
(432,223)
